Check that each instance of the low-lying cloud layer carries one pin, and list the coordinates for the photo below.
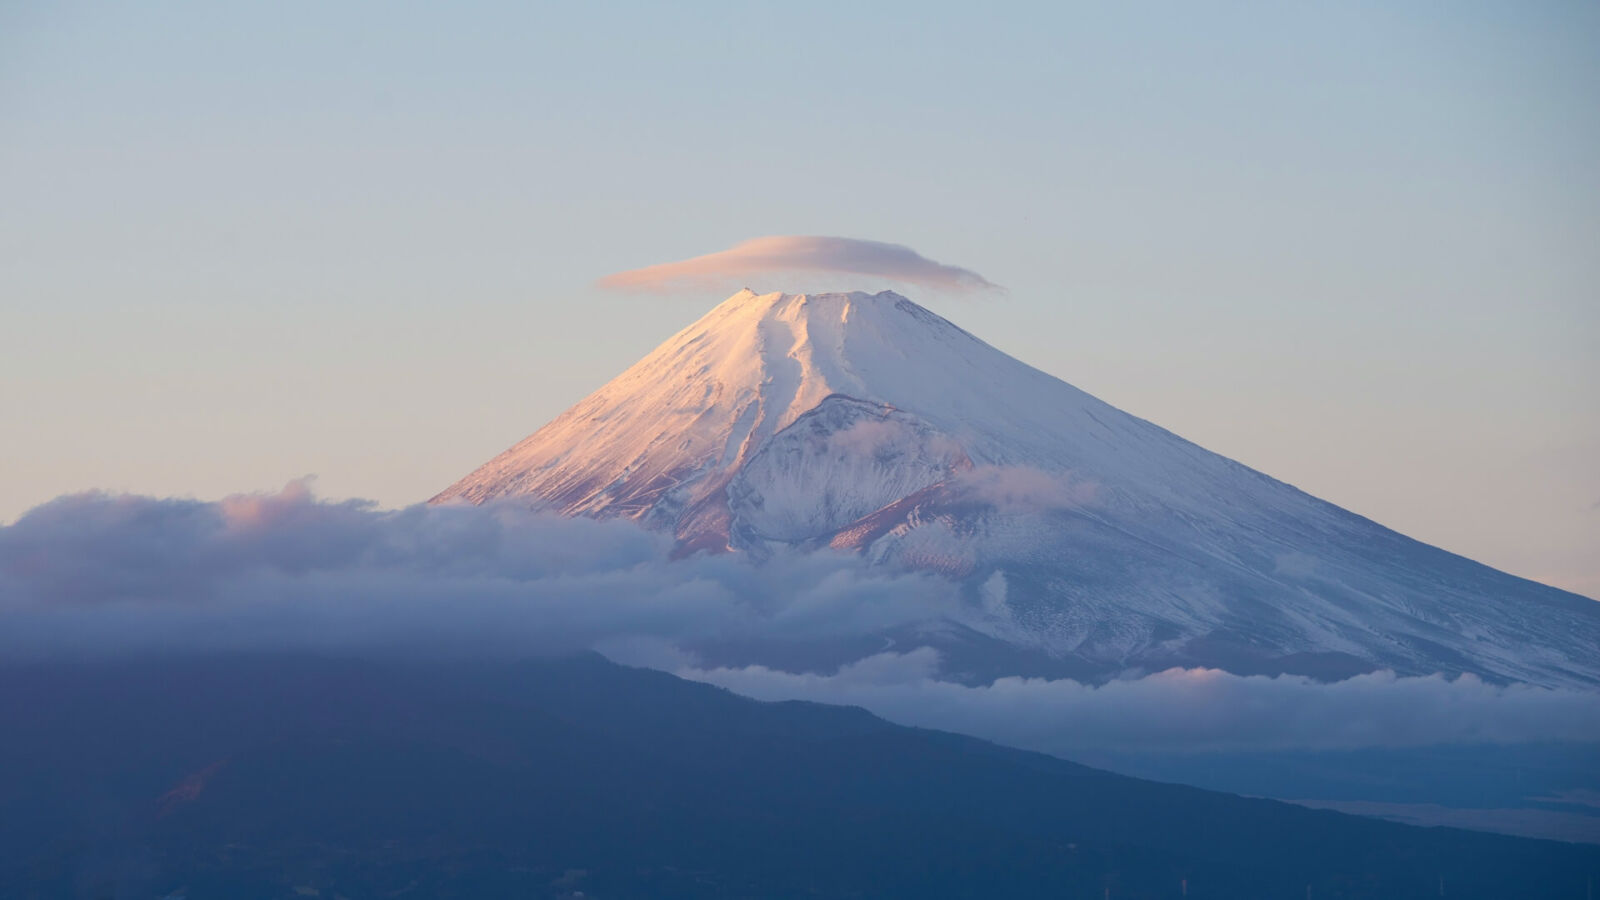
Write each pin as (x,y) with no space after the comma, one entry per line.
(787,255)
(93,576)
(1184,709)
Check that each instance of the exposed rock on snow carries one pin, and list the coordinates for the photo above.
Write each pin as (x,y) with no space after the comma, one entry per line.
(868,424)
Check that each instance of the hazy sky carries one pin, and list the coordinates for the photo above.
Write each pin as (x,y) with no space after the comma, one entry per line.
(1356,247)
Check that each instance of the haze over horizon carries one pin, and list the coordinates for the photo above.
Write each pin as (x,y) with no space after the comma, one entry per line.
(1356,258)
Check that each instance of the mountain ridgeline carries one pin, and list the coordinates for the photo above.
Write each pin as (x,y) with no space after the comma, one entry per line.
(280,776)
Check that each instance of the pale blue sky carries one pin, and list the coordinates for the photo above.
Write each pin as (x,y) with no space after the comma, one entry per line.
(1357,247)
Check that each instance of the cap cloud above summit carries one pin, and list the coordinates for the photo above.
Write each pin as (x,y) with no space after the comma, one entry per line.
(794,254)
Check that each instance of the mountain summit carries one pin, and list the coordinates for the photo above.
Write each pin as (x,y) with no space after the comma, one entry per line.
(1087,537)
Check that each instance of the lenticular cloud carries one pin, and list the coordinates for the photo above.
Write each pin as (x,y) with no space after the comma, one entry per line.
(794,254)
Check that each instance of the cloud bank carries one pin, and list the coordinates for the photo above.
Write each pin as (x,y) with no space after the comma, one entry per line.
(792,254)
(1183,709)
(95,576)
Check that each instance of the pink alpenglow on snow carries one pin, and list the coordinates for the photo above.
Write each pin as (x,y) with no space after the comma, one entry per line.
(794,254)
(865,424)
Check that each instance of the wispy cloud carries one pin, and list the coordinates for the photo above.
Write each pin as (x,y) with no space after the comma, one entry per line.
(792,254)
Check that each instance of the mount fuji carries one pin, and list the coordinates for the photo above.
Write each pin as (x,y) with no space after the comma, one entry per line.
(1087,541)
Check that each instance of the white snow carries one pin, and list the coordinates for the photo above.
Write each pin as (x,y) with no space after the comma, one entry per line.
(855,420)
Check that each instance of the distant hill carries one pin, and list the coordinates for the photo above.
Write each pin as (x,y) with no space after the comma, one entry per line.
(278,776)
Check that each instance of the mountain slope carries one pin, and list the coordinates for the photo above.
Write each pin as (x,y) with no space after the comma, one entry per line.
(868,424)
(277,776)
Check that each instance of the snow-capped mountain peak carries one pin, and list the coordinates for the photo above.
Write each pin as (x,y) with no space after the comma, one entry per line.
(660,441)
(865,423)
